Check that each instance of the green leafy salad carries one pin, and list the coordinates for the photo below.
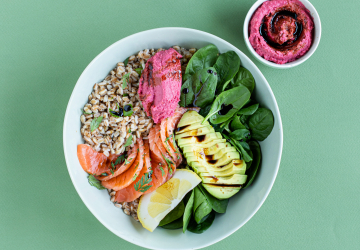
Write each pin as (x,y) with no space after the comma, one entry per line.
(230,119)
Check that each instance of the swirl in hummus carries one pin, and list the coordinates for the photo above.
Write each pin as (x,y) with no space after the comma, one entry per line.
(281,31)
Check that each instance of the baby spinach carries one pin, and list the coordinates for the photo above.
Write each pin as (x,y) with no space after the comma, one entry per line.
(174,214)
(204,111)
(256,151)
(261,124)
(202,211)
(202,227)
(236,123)
(199,89)
(227,65)
(176,224)
(239,148)
(188,211)
(249,110)
(203,58)
(218,205)
(198,198)
(240,134)
(244,78)
(235,97)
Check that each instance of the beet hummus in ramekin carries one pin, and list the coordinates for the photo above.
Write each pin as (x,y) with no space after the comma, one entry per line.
(281,31)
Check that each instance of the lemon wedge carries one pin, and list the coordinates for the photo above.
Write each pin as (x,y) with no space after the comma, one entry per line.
(153,207)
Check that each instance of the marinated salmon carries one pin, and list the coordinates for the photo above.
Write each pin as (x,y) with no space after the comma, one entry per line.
(159,176)
(93,162)
(121,168)
(129,193)
(166,143)
(126,178)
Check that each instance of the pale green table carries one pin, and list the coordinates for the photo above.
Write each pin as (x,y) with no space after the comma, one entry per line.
(44,47)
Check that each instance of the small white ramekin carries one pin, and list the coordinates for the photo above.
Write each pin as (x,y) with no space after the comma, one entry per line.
(316,41)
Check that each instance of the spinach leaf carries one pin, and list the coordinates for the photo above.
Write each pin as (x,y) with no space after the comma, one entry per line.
(126,61)
(202,92)
(249,110)
(174,214)
(225,125)
(205,111)
(188,211)
(244,119)
(202,227)
(227,65)
(255,148)
(176,224)
(236,123)
(202,211)
(244,78)
(95,182)
(249,164)
(198,198)
(218,205)
(261,124)
(234,98)
(203,58)
(245,156)
(240,134)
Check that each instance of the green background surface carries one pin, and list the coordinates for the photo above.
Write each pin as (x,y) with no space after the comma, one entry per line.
(45,46)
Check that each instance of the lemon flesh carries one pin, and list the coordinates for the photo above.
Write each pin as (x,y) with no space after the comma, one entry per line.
(153,207)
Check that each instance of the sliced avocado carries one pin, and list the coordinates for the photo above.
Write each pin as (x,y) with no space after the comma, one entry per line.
(215,149)
(221,191)
(200,131)
(198,139)
(190,127)
(230,169)
(200,154)
(237,164)
(225,159)
(190,117)
(197,147)
(236,179)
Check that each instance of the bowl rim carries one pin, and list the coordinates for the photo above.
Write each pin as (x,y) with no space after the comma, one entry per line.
(307,55)
(277,113)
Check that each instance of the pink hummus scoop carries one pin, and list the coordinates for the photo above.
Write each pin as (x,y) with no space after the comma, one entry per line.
(160,84)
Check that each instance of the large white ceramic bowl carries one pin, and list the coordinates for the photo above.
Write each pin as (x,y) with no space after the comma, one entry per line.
(241,207)
(316,39)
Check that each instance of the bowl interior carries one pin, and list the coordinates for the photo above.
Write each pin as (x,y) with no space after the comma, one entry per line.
(247,201)
(316,40)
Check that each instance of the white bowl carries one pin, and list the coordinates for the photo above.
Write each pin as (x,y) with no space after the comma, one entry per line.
(241,207)
(316,40)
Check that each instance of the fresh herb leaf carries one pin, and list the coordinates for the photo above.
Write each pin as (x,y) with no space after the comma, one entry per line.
(130,111)
(85,112)
(162,171)
(139,70)
(174,214)
(236,97)
(129,131)
(128,141)
(168,137)
(104,174)
(125,94)
(113,113)
(126,61)
(143,184)
(127,162)
(95,123)
(112,172)
(95,182)
(134,177)
(125,80)
(120,159)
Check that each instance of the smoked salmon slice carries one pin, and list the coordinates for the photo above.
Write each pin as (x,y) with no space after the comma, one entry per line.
(159,176)
(165,140)
(93,162)
(125,179)
(121,168)
(129,193)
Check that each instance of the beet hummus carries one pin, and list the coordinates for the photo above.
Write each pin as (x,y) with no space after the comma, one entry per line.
(281,31)
(160,84)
